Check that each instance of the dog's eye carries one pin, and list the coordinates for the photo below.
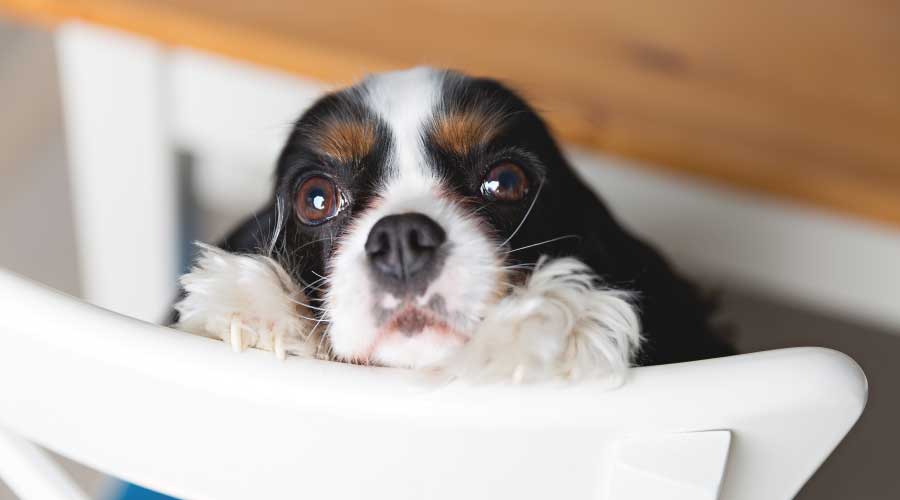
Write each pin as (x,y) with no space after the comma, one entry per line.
(505,182)
(318,200)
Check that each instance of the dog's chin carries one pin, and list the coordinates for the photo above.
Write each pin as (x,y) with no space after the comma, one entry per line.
(426,347)
(414,335)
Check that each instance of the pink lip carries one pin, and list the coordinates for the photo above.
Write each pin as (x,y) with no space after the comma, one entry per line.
(410,322)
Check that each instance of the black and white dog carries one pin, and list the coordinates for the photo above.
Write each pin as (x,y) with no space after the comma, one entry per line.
(424,218)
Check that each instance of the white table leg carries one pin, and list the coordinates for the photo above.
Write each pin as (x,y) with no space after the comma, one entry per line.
(122,168)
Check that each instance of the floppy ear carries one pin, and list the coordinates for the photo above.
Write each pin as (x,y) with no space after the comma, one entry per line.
(256,233)
(568,219)
(675,314)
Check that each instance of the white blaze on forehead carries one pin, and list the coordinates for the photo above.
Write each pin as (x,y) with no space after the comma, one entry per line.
(406,101)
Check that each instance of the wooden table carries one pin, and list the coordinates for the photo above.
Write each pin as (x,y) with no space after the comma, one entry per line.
(800,99)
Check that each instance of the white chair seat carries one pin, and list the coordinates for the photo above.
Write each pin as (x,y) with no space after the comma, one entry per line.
(184,415)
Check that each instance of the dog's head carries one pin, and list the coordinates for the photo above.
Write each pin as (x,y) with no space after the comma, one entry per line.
(410,202)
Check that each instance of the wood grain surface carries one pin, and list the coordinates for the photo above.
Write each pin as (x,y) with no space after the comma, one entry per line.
(798,99)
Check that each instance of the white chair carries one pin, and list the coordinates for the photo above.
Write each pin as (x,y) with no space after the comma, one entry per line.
(184,415)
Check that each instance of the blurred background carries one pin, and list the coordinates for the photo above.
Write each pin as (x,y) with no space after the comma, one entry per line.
(757,145)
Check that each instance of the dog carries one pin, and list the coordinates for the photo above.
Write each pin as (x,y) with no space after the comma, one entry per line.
(425,218)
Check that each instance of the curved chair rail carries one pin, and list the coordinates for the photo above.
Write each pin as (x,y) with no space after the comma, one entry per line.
(184,415)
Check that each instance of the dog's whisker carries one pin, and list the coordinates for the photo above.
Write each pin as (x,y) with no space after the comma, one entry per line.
(527,213)
(313,332)
(312,286)
(323,278)
(307,305)
(518,266)
(321,340)
(316,281)
(279,223)
(308,243)
(478,210)
(543,242)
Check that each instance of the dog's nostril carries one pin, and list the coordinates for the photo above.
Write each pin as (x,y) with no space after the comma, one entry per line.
(404,247)
(427,237)
(377,243)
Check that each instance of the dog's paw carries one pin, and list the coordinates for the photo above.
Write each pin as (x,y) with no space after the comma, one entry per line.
(246,301)
(242,331)
(560,324)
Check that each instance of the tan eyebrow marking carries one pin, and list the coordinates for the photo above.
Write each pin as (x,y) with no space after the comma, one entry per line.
(347,140)
(462,131)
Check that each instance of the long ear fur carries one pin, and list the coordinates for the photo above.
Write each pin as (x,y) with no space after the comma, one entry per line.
(257,234)
(675,314)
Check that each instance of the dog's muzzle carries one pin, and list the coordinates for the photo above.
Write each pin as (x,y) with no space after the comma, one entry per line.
(405,253)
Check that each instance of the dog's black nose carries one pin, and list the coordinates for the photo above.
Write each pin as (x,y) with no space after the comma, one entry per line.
(404,249)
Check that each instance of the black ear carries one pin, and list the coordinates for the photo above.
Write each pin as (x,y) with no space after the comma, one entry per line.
(568,219)
(675,314)
(256,234)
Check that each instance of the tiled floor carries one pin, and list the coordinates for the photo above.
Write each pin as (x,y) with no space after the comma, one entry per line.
(34,206)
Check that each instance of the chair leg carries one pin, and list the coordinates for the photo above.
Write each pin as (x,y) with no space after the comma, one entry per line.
(31,474)
(122,168)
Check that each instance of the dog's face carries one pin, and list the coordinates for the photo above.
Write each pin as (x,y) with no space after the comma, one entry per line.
(412,201)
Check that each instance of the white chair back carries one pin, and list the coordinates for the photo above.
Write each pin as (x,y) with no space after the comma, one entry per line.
(184,415)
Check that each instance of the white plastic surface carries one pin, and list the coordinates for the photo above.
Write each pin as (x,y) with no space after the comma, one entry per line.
(122,168)
(31,474)
(184,415)
(675,466)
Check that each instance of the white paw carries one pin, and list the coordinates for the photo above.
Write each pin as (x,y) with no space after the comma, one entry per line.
(246,301)
(243,332)
(558,325)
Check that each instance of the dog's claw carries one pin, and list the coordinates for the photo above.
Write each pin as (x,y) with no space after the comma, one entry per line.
(518,374)
(237,337)
(278,344)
